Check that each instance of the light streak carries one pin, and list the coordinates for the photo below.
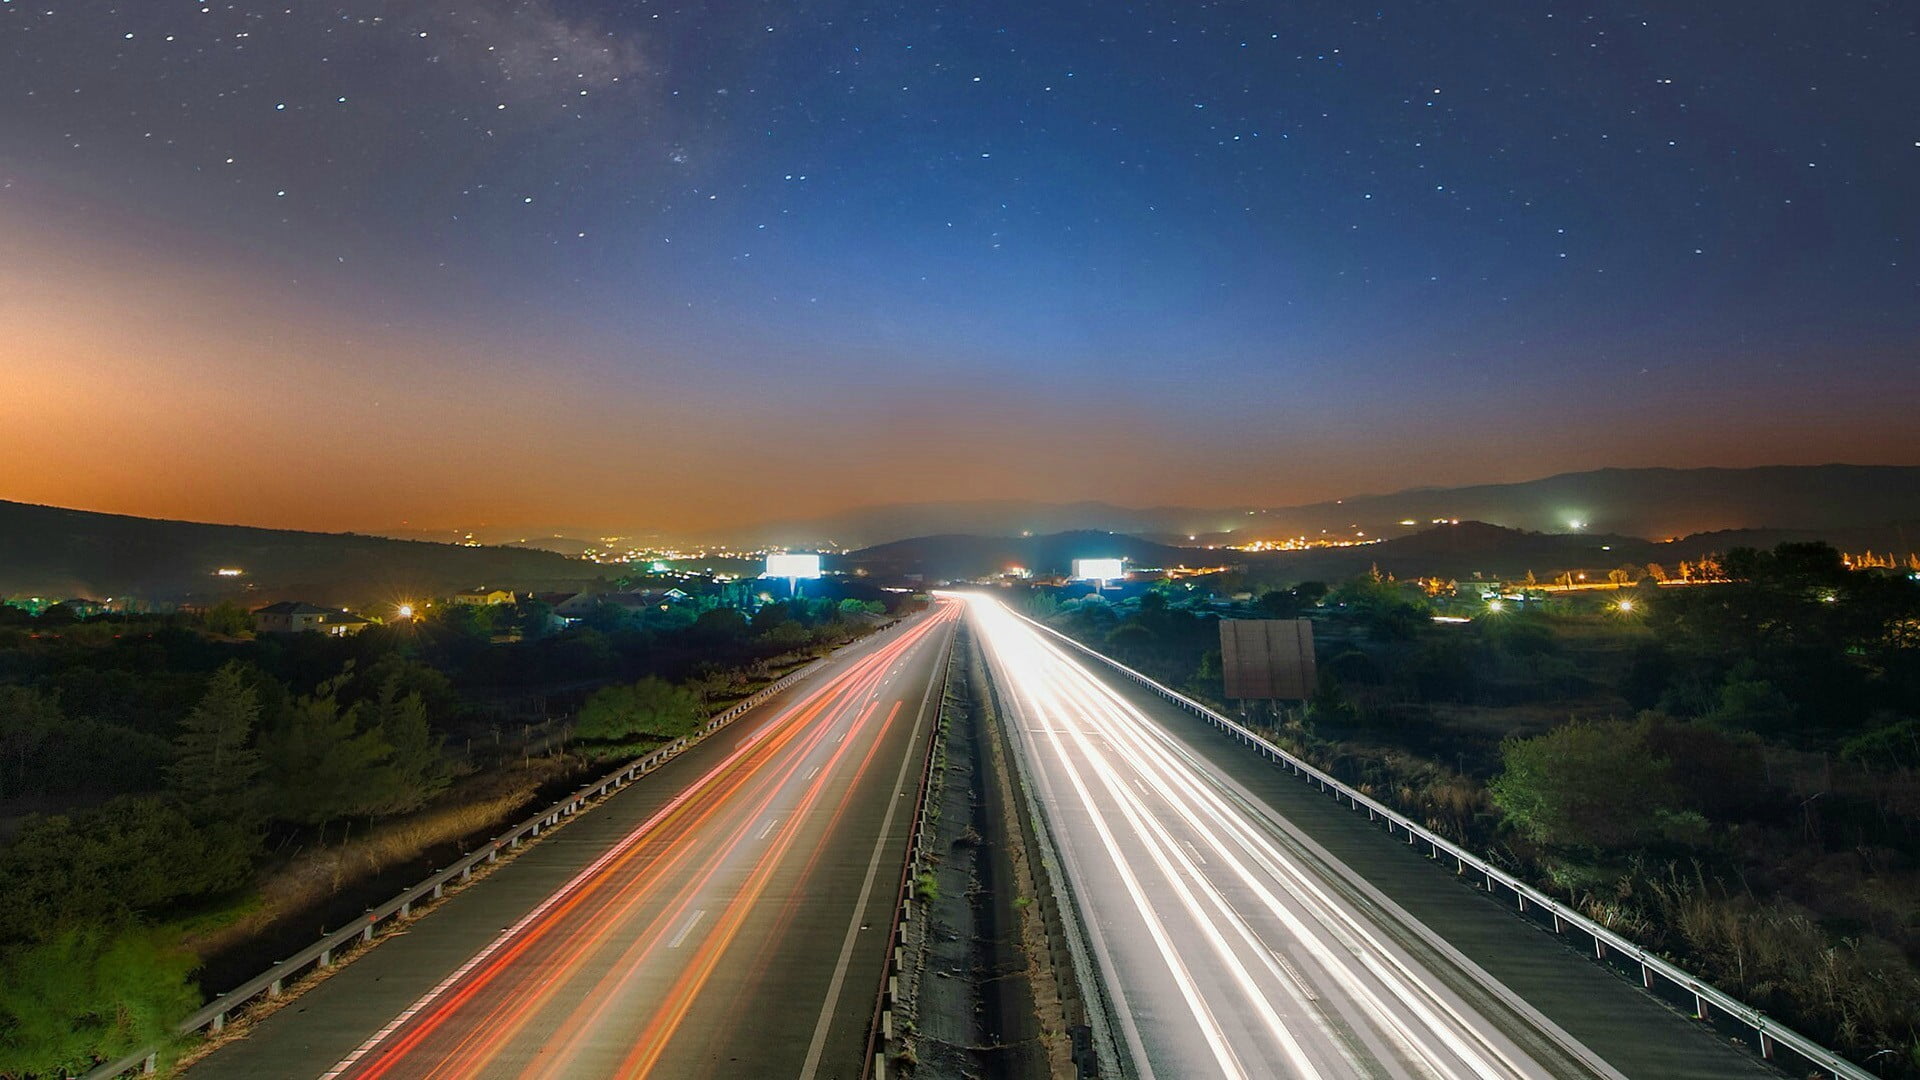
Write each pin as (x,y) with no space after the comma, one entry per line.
(651,890)
(1238,957)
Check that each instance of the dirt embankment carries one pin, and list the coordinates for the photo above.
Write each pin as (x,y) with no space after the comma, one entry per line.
(311,891)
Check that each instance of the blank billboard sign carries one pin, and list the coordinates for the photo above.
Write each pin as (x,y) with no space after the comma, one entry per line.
(1263,659)
(1099,569)
(793,566)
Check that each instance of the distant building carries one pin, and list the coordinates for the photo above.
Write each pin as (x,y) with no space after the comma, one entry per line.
(294,617)
(635,601)
(483,597)
(573,606)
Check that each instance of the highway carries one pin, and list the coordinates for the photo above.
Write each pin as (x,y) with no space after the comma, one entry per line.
(1222,950)
(724,917)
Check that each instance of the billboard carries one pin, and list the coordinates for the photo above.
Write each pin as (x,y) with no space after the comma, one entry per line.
(1099,569)
(1263,659)
(793,566)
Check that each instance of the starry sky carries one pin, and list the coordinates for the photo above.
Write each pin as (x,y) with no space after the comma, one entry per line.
(685,265)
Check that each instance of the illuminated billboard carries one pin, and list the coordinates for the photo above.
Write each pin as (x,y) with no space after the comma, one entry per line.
(793,566)
(1099,569)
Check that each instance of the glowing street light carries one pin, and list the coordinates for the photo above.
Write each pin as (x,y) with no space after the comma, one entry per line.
(1496,606)
(405,611)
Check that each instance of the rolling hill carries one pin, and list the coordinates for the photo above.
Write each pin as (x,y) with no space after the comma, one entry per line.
(51,551)
(957,556)
(1653,503)
(1454,551)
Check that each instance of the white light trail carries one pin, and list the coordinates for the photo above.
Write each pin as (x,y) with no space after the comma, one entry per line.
(1237,956)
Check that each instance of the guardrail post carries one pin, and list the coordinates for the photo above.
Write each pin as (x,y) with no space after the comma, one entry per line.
(151,1065)
(406,909)
(275,987)
(219,1023)
(326,959)
(366,932)
(1822,1059)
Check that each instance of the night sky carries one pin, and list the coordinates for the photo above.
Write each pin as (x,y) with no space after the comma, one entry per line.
(343,265)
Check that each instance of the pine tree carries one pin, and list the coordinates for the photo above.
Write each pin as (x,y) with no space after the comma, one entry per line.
(415,771)
(214,766)
(321,765)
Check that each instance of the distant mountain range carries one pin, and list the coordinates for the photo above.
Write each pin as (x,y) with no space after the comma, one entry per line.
(1651,503)
(1455,551)
(65,553)
(1622,514)
(956,556)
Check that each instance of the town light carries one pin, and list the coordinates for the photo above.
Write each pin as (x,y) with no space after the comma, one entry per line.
(405,611)
(1625,605)
(1496,606)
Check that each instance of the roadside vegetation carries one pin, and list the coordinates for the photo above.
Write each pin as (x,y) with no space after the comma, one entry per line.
(1727,772)
(178,796)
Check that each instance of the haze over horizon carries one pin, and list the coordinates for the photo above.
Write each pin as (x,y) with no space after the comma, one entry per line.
(707,265)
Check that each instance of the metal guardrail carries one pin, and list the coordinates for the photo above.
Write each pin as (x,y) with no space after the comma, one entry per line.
(1707,998)
(880,1028)
(320,955)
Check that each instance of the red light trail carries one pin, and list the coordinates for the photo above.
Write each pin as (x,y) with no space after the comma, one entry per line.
(593,980)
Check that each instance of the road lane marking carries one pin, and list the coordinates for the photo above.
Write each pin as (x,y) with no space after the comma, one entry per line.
(771,822)
(811,773)
(687,928)
(1294,974)
(811,1067)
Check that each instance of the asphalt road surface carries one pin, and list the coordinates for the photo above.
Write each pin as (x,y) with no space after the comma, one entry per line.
(725,917)
(1224,953)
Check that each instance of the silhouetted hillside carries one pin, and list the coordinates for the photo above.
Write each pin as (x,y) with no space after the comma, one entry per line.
(1452,551)
(1652,503)
(46,550)
(962,556)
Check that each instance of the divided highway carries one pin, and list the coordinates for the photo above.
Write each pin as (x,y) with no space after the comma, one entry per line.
(1222,951)
(726,917)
